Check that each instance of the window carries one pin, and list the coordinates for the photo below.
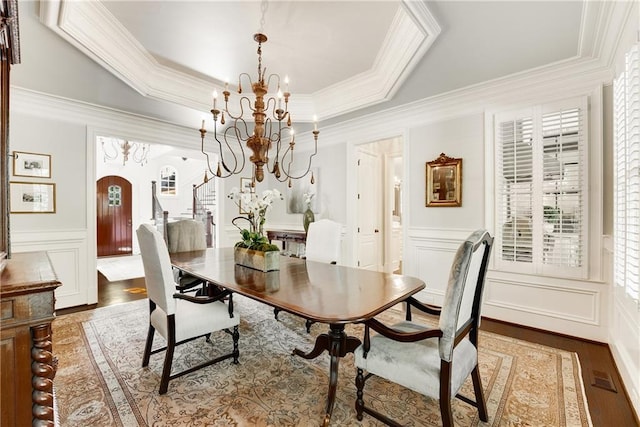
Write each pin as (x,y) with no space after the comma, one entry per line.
(626,139)
(168,178)
(541,197)
(115,195)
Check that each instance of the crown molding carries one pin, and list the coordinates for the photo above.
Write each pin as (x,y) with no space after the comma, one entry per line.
(128,125)
(412,32)
(601,29)
(568,78)
(91,28)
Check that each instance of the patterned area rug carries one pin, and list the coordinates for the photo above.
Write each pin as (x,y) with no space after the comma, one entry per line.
(100,381)
(121,267)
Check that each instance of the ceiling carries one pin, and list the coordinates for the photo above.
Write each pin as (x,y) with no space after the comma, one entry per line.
(340,56)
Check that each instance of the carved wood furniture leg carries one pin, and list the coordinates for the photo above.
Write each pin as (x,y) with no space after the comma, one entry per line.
(322,343)
(338,344)
(43,368)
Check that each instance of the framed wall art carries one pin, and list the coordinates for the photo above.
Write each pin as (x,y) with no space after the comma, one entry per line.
(33,197)
(31,164)
(295,194)
(444,182)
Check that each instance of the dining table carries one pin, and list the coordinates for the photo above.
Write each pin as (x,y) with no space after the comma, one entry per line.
(335,295)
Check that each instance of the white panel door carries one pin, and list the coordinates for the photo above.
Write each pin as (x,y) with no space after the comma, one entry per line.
(369,215)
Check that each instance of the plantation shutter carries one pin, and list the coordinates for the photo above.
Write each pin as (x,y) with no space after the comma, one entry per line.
(626,136)
(541,195)
(515,170)
(562,190)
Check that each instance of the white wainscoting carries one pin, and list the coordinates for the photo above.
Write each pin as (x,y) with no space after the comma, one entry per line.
(570,307)
(624,333)
(625,344)
(67,250)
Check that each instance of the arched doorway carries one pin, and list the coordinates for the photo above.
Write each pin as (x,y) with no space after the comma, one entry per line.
(114,234)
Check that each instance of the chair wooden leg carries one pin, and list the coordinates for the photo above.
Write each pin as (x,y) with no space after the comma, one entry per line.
(236,351)
(480,402)
(147,346)
(359,394)
(168,357)
(445,394)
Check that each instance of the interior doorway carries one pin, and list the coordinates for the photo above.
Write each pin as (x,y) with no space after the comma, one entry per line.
(378,226)
(114,222)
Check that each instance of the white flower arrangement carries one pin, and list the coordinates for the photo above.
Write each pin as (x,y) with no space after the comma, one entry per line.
(257,207)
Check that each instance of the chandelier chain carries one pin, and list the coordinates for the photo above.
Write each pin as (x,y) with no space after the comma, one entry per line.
(263,9)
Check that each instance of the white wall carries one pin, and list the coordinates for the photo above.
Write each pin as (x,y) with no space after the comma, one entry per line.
(624,316)
(63,233)
(433,234)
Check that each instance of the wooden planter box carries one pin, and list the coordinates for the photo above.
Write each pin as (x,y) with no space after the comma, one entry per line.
(263,261)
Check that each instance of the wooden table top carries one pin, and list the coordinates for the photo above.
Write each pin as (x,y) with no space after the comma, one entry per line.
(320,292)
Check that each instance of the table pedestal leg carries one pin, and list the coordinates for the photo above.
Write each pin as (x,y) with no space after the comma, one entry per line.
(338,344)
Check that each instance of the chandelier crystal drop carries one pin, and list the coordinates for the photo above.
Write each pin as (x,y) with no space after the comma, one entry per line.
(271,140)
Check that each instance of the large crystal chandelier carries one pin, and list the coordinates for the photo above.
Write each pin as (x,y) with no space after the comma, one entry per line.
(271,139)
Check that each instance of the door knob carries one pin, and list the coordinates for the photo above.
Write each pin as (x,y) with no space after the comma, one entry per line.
(376,231)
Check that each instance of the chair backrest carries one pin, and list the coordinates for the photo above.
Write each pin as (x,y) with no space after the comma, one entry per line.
(186,235)
(324,241)
(463,296)
(157,267)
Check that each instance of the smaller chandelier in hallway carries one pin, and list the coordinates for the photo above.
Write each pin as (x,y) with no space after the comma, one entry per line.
(263,127)
(112,148)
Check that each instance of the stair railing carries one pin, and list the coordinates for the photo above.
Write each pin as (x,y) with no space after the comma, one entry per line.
(204,196)
(159,215)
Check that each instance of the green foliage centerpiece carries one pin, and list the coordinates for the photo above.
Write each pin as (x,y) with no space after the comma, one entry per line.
(254,250)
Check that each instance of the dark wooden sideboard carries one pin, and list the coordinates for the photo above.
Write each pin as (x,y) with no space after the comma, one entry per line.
(28,367)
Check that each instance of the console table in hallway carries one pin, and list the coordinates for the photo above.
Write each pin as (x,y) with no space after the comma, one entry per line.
(287,236)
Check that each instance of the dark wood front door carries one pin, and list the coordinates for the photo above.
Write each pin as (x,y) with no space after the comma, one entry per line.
(114,216)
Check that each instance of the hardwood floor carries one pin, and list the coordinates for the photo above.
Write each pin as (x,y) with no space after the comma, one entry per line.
(607,408)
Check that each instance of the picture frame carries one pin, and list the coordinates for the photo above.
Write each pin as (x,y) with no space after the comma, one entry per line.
(246,186)
(444,182)
(31,164)
(33,197)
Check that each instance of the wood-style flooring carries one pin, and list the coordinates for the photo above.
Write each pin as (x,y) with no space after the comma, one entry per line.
(607,408)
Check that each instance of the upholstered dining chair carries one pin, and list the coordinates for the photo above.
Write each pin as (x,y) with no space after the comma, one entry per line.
(433,361)
(323,244)
(324,241)
(182,236)
(178,317)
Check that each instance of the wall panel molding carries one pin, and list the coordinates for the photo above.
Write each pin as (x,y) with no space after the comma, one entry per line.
(533,294)
(67,251)
(572,307)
